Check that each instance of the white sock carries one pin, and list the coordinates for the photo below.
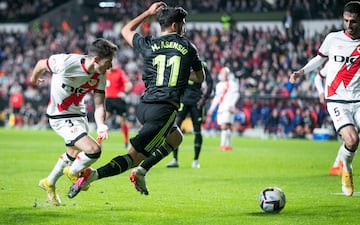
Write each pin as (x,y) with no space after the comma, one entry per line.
(223,138)
(93,177)
(338,157)
(81,162)
(141,170)
(228,137)
(57,171)
(347,158)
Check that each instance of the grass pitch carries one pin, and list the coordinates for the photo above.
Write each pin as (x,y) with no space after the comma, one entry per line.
(224,190)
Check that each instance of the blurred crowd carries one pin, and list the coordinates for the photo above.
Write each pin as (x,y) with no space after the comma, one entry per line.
(26,10)
(261,60)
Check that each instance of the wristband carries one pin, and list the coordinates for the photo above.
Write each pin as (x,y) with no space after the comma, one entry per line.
(102,128)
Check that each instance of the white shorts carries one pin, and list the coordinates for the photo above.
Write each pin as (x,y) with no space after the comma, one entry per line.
(70,129)
(225,117)
(343,114)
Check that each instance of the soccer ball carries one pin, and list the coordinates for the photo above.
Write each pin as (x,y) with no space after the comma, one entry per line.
(272,200)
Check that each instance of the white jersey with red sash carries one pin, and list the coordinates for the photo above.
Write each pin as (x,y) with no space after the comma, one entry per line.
(343,75)
(70,83)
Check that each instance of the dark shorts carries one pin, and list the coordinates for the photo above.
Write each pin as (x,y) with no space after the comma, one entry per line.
(116,106)
(157,120)
(196,114)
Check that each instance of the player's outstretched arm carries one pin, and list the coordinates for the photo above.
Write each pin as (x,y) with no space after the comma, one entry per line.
(129,30)
(39,69)
(313,64)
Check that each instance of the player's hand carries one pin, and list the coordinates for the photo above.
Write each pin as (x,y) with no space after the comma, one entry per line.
(37,81)
(102,133)
(295,76)
(201,103)
(156,7)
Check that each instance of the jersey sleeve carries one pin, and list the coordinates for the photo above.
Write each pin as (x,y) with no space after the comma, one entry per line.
(209,82)
(325,46)
(318,80)
(56,63)
(141,43)
(197,64)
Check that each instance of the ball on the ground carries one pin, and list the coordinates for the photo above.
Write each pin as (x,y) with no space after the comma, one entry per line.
(272,199)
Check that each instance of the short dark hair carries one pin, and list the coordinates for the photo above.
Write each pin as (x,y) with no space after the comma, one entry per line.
(170,15)
(102,48)
(352,7)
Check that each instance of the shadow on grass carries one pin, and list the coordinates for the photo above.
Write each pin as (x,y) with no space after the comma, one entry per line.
(29,216)
(48,214)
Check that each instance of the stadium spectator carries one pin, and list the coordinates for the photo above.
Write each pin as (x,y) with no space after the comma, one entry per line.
(271,127)
(284,123)
(3,107)
(29,115)
(16,103)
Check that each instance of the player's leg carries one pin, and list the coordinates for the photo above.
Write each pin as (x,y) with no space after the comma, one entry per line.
(336,169)
(180,117)
(138,174)
(173,140)
(197,119)
(351,141)
(160,126)
(77,140)
(228,142)
(142,145)
(122,111)
(221,123)
(116,166)
(62,128)
(224,120)
(344,117)
(124,129)
(48,183)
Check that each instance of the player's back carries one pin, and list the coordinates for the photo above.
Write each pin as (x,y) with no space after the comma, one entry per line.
(168,60)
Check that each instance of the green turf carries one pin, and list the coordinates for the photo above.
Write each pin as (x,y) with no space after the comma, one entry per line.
(224,191)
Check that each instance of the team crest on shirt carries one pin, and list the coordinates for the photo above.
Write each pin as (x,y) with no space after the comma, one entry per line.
(92,82)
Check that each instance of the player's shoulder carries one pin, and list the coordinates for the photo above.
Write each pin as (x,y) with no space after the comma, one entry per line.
(336,34)
(66,56)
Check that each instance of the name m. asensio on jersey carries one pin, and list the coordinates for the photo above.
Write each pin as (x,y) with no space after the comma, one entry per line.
(169,44)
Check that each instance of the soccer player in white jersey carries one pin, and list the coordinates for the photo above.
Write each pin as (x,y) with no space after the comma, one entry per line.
(227,94)
(342,93)
(336,168)
(73,77)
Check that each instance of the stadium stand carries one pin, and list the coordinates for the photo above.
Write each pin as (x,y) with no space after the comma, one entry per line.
(260,58)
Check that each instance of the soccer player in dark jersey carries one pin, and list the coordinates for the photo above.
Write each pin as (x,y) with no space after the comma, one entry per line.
(192,103)
(168,62)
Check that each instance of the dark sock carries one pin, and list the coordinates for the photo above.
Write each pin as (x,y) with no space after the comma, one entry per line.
(197,145)
(175,153)
(156,156)
(116,166)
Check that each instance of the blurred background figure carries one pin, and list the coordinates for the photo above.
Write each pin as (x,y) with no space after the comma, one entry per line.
(227,94)
(118,86)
